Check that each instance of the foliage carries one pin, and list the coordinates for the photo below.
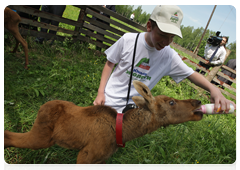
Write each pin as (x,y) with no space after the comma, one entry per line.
(232,47)
(124,10)
(127,10)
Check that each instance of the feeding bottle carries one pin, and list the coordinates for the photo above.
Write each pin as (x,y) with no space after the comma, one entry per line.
(209,109)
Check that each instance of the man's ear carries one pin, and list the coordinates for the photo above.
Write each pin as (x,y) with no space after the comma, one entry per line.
(149,26)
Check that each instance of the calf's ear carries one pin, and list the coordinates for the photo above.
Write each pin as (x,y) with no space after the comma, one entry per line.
(139,101)
(146,93)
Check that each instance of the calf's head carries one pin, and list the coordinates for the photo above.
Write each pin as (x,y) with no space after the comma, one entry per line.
(173,111)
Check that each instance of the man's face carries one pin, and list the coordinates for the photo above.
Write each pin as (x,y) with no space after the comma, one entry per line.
(157,38)
(224,41)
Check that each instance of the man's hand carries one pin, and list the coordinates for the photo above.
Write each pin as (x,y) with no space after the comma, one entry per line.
(217,98)
(100,99)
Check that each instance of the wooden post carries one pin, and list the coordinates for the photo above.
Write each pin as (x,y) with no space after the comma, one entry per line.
(81,20)
(197,48)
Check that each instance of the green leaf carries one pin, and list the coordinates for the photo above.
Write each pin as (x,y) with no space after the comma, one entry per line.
(37,92)
(162,152)
(42,93)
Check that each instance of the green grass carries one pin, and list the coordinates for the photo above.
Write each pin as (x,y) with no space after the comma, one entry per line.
(71,72)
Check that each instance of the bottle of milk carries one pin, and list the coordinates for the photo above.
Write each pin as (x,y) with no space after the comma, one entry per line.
(209,109)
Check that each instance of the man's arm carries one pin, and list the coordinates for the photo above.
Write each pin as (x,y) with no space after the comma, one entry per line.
(107,70)
(216,95)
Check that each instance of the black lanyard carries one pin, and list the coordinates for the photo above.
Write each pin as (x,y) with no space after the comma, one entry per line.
(129,85)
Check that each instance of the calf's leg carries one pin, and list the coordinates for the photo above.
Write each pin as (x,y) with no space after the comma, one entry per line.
(37,138)
(20,40)
(13,29)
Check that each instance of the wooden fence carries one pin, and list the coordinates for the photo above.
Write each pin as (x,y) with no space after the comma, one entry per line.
(113,28)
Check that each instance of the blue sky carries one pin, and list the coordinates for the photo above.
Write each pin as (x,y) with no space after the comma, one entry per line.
(223,19)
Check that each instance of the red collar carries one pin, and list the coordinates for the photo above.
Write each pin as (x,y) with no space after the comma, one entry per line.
(119,130)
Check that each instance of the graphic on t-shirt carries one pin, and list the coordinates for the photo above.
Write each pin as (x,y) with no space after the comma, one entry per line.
(141,74)
(144,64)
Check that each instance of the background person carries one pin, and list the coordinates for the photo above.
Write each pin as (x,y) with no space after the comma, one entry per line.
(132,17)
(218,58)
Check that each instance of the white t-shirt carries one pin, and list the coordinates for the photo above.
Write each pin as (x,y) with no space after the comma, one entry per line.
(219,56)
(149,67)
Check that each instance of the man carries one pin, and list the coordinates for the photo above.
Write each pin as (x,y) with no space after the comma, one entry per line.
(218,58)
(132,17)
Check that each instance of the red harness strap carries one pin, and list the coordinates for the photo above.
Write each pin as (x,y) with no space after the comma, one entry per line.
(119,130)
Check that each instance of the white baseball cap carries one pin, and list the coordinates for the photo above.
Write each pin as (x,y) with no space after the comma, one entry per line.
(168,18)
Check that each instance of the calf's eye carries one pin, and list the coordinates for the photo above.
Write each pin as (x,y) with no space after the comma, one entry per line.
(171,102)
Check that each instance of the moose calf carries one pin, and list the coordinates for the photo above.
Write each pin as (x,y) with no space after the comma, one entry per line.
(11,21)
(85,128)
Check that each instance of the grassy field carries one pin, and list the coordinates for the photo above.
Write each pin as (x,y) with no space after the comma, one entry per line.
(72,72)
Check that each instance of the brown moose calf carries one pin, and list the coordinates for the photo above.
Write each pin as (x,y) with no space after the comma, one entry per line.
(84,128)
(11,21)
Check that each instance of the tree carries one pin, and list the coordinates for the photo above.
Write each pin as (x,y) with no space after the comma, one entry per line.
(129,10)
(124,10)
(143,18)
(137,12)
(120,9)
(196,35)
(232,47)
(187,36)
